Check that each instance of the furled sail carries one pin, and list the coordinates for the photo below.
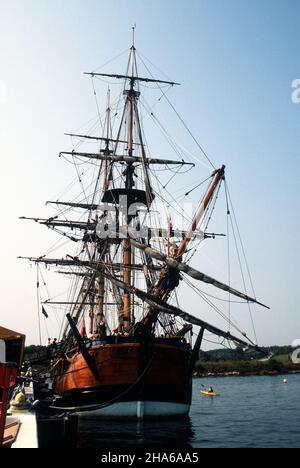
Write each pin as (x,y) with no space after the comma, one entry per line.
(150,299)
(127,159)
(192,272)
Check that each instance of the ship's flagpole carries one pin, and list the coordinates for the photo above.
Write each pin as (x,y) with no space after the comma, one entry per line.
(133,35)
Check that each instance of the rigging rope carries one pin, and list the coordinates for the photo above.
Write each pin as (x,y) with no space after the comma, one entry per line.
(241,240)
(197,186)
(228,251)
(97,104)
(182,121)
(210,303)
(38,303)
(241,266)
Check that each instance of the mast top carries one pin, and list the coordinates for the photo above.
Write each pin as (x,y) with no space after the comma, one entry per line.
(133,36)
(132,76)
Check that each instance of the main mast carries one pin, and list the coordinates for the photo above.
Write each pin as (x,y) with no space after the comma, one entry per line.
(127,249)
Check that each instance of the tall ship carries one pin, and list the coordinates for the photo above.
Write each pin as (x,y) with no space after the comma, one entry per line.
(126,347)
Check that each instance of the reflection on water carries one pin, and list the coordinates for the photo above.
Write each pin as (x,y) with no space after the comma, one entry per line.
(116,434)
(251,412)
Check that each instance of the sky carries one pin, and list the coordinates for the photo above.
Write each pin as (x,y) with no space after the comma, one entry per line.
(236,61)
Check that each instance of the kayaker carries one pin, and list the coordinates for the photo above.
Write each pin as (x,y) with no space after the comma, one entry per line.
(210,390)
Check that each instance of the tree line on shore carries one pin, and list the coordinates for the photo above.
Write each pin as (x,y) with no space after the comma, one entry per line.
(237,362)
(225,354)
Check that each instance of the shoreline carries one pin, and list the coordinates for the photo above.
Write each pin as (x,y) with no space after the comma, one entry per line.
(200,375)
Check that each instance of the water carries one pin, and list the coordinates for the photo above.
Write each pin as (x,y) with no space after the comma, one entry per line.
(251,412)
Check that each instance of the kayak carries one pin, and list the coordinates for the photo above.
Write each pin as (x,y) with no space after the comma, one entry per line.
(212,394)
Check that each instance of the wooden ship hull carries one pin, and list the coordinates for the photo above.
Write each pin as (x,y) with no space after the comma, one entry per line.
(131,379)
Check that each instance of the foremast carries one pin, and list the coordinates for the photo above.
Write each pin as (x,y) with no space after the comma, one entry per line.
(105,185)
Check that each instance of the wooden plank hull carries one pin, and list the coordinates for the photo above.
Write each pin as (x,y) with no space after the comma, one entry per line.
(133,381)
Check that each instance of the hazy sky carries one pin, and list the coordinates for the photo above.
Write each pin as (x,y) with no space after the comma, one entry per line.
(236,61)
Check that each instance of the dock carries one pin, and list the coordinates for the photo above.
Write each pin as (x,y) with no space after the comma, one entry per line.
(28,435)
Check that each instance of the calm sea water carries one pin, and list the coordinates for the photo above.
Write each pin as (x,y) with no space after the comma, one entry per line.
(251,412)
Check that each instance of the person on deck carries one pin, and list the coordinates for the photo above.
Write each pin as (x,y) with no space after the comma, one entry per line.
(102,330)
